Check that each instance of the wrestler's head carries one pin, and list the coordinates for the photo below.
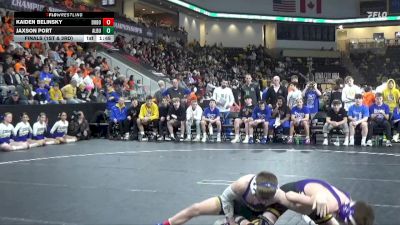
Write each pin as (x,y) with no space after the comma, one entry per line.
(264,185)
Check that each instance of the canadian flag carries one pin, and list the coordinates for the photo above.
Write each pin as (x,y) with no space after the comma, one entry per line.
(309,6)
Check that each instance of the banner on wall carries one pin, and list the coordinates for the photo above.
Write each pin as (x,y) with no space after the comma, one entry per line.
(326,77)
(328,74)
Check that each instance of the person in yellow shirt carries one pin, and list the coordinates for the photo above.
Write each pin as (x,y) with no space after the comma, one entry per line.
(69,93)
(148,115)
(56,94)
(391,94)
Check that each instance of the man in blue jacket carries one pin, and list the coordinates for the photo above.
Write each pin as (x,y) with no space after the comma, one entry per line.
(119,115)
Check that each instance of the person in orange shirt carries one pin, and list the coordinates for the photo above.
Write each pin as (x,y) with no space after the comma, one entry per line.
(72,70)
(368,96)
(97,80)
(70,51)
(8,33)
(20,64)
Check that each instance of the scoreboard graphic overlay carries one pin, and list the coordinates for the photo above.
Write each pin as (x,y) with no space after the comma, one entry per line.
(64,26)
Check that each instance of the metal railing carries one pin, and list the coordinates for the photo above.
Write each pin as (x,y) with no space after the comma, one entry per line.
(372,43)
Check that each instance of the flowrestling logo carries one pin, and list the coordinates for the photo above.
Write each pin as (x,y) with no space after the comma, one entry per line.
(377,14)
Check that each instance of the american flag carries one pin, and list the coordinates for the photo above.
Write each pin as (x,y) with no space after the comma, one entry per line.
(284,5)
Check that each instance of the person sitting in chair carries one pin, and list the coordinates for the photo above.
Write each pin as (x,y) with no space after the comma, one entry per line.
(211,116)
(119,116)
(148,116)
(336,119)
(300,119)
(176,117)
(379,117)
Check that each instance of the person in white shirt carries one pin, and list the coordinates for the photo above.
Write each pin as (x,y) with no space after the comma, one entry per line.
(60,129)
(23,132)
(349,92)
(6,130)
(293,95)
(193,116)
(224,98)
(39,131)
(78,77)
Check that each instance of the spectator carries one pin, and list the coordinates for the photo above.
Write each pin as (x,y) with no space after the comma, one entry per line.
(336,119)
(250,89)
(78,77)
(224,97)
(163,108)
(336,93)
(25,92)
(274,91)
(133,115)
(20,65)
(148,115)
(280,117)
(358,116)
(69,93)
(159,94)
(293,95)
(175,91)
(349,91)
(4,88)
(391,94)
(368,96)
(312,95)
(56,94)
(46,76)
(396,123)
(19,76)
(79,127)
(193,116)
(261,115)
(245,117)
(14,99)
(176,117)
(379,117)
(119,115)
(112,98)
(42,94)
(211,116)
(300,119)
(10,78)
(293,79)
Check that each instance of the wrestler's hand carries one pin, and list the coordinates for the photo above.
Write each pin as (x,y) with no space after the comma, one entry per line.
(320,204)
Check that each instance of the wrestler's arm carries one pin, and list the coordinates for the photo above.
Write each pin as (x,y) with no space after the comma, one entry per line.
(296,206)
(318,202)
(231,193)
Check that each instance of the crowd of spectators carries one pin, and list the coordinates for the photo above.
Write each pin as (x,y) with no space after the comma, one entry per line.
(375,67)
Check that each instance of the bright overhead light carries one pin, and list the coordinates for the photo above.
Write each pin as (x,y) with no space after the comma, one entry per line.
(152,11)
(144,9)
(340,27)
